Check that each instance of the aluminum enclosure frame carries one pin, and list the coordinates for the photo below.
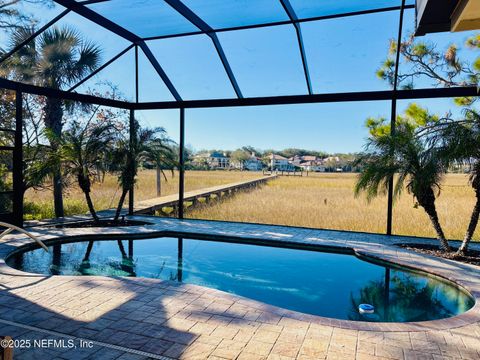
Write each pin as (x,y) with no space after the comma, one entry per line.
(139,43)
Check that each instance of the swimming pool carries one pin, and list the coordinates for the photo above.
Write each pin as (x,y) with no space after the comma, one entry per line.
(314,282)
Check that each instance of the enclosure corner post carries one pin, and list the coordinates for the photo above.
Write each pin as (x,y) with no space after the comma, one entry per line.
(393,119)
(18,162)
(391,180)
(132,135)
(181,161)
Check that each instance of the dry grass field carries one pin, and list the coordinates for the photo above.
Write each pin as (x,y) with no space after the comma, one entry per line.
(327,201)
(39,204)
(319,201)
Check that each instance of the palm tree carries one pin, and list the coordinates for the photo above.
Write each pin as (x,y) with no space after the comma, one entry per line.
(58,58)
(148,145)
(460,143)
(163,157)
(407,158)
(83,153)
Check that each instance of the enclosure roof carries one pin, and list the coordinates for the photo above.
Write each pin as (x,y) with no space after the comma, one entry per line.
(154,30)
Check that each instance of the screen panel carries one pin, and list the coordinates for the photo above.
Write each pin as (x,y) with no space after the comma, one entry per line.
(194,67)
(455,197)
(116,81)
(344,54)
(308,8)
(156,190)
(7,143)
(18,14)
(232,13)
(266,61)
(144,17)
(82,144)
(314,149)
(150,86)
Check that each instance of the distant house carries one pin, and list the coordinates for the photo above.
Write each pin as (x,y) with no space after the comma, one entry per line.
(279,163)
(218,160)
(310,158)
(313,166)
(213,160)
(308,163)
(295,160)
(253,163)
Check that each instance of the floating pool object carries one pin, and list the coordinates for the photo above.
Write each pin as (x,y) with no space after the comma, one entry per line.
(366,309)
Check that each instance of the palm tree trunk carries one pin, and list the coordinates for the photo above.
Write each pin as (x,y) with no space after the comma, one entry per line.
(432,214)
(85,185)
(471,227)
(53,121)
(159,181)
(91,208)
(58,194)
(120,204)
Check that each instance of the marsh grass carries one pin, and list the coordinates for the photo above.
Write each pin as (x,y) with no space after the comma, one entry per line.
(105,194)
(327,201)
(317,201)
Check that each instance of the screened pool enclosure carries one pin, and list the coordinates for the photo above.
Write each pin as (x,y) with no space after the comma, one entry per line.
(281,58)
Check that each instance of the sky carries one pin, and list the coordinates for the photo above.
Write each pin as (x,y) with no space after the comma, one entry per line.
(343,55)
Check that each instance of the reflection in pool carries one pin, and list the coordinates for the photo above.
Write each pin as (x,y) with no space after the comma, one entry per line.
(320,283)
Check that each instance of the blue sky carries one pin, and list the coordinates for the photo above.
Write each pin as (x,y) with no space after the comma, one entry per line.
(343,55)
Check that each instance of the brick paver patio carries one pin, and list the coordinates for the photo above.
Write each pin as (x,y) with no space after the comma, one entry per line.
(135,318)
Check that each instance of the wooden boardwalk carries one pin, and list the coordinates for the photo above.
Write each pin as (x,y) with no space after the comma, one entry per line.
(171,201)
(157,204)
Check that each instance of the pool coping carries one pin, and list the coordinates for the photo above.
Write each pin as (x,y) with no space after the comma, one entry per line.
(373,246)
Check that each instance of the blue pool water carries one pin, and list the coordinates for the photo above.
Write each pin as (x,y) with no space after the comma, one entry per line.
(320,283)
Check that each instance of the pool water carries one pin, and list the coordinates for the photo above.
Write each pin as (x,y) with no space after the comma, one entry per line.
(320,283)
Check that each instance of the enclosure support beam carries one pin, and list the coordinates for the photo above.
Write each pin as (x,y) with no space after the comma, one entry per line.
(206,29)
(294,18)
(254,101)
(88,2)
(64,95)
(18,162)
(393,118)
(181,166)
(133,136)
(383,95)
(136,74)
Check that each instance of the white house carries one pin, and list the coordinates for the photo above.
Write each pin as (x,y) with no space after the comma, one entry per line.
(280,163)
(314,166)
(214,160)
(218,160)
(253,163)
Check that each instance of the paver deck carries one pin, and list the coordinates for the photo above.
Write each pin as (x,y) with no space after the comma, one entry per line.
(163,319)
